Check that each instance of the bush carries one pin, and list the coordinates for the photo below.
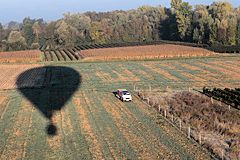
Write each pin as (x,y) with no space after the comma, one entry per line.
(35,46)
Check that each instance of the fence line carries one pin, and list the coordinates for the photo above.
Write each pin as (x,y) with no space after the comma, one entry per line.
(186,129)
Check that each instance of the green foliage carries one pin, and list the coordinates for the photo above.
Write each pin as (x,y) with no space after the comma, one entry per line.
(16,41)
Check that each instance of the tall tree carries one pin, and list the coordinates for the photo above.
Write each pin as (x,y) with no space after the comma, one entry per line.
(183,13)
(16,41)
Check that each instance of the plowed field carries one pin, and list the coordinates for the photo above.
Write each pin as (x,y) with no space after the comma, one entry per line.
(143,52)
(31,56)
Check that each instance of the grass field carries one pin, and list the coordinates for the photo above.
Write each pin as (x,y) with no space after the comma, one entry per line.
(93,124)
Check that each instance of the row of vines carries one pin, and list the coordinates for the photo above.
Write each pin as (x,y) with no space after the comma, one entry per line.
(228,96)
(72,54)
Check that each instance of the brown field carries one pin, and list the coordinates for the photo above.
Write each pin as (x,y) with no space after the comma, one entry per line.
(143,52)
(10,73)
(20,56)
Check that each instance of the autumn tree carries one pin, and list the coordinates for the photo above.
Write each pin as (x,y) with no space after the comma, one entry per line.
(16,41)
(183,14)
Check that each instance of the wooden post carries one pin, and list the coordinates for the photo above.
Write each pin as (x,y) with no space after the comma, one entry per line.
(159,108)
(189,132)
(212,100)
(180,124)
(172,118)
(229,107)
(200,138)
(150,88)
(165,113)
(222,155)
(148,100)
(189,89)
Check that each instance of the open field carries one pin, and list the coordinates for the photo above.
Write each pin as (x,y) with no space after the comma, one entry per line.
(27,56)
(91,125)
(177,74)
(90,122)
(143,52)
(10,72)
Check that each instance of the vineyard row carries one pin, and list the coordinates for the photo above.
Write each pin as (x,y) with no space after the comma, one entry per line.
(228,96)
(72,54)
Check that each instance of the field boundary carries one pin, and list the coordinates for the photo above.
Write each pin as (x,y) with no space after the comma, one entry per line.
(172,122)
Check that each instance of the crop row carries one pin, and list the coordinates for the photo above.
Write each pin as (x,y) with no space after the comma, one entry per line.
(228,96)
(125,44)
(62,55)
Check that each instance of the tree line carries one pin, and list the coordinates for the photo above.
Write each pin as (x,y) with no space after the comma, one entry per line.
(214,24)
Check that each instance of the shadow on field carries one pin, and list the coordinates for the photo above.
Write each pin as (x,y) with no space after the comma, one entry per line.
(57,86)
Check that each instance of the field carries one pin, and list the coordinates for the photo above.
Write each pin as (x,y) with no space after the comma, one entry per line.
(11,72)
(143,52)
(75,115)
(218,125)
(32,56)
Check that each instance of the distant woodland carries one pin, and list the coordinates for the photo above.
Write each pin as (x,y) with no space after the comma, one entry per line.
(215,24)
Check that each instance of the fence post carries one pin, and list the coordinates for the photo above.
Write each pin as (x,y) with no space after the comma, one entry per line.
(229,107)
(148,100)
(180,124)
(222,155)
(159,108)
(165,113)
(212,100)
(189,132)
(200,138)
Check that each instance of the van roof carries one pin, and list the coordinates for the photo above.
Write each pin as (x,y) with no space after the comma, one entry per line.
(122,90)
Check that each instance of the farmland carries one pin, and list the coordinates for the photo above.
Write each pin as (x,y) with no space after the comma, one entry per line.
(143,52)
(217,124)
(10,72)
(32,56)
(92,123)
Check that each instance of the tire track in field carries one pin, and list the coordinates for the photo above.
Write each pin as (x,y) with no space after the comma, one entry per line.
(7,122)
(3,106)
(15,146)
(118,142)
(206,73)
(55,142)
(191,74)
(106,148)
(225,72)
(141,140)
(81,144)
(167,76)
(94,144)
(37,139)
(150,124)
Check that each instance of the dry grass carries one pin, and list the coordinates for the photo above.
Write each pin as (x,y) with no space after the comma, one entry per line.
(219,126)
(143,52)
(20,56)
(10,73)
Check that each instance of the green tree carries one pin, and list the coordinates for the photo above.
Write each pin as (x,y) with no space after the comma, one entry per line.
(16,41)
(66,33)
(183,13)
(28,30)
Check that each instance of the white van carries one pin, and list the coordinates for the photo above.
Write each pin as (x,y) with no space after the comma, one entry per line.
(124,95)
